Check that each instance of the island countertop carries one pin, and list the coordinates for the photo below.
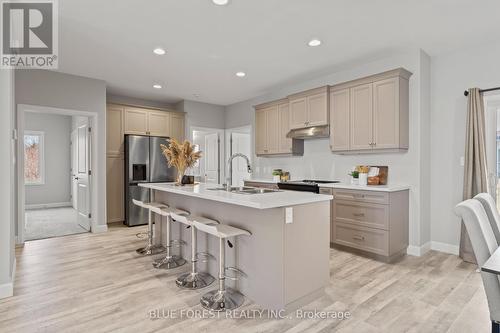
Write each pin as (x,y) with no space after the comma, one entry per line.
(259,201)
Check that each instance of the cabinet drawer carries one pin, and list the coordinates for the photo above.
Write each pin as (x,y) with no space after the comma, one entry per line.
(362,196)
(367,239)
(362,214)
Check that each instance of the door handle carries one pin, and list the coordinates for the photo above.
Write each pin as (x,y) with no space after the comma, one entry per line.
(76,178)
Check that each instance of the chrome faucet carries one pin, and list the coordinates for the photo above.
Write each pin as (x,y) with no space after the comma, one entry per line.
(229,179)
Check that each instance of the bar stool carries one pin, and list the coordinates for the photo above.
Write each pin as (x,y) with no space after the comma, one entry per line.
(222,298)
(170,261)
(150,248)
(194,279)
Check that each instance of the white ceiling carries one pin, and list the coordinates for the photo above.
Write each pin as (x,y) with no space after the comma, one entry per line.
(207,44)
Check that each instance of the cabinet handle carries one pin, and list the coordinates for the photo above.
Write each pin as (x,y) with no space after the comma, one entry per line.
(358,214)
(359,195)
(360,238)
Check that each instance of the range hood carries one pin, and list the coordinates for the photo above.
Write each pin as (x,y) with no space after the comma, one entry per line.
(314,132)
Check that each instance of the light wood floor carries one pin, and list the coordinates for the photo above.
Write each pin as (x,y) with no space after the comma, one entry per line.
(96,283)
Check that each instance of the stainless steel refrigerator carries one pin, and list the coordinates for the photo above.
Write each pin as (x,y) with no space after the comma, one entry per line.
(144,163)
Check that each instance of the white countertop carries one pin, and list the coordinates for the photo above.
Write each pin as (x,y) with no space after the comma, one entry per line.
(259,201)
(380,188)
(261,180)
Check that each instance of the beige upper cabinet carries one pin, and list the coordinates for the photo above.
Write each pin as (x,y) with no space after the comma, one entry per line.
(309,108)
(339,120)
(177,129)
(260,131)
(285,144)
(378,113)
(272,124)
(136,121)
(158,123)
(114,130)
(361,118)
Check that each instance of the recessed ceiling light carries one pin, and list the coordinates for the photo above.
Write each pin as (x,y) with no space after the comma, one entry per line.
(241,74)
(314,42)
(220,2)
(159,51)
(157,86)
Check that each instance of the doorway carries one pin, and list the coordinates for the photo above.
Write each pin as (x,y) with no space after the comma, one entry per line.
(54,172)
(210,167)
(238,140)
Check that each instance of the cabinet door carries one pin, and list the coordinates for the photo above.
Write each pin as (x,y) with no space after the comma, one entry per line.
(361,117)
(386,114)
(298,113)
(285,144)
(317,109)
(339,120)
(136,121)
(273,130)
(114,130)
(177,129)
(260,131)
(159,123)
(115,189)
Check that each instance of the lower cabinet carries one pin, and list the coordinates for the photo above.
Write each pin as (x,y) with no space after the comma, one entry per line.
(115,189)
(371,222)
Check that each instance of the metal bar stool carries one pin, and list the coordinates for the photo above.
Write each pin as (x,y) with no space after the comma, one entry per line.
(222,298)
(150,248)
(194,279)
(170,261)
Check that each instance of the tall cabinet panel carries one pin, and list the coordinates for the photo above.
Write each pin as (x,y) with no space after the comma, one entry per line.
(114,130)
(339,120)
(386,113)
(177,129)
(285,144)
(361,117)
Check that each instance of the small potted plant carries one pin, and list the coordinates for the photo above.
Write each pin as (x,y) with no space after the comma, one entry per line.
(354,177)
(277,173)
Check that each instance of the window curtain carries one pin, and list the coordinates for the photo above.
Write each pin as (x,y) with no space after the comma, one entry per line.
(475,169)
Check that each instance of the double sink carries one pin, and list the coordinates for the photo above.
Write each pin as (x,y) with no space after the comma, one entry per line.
(245,190)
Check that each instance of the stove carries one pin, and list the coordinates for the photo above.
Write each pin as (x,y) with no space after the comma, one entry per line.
(306,185)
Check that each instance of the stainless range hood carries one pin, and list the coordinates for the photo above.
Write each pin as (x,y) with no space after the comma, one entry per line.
(314,132)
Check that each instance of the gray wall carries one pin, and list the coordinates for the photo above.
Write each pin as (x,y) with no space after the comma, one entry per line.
(7,207)
(57,136)
(202,114)
(59,90)
(137,102)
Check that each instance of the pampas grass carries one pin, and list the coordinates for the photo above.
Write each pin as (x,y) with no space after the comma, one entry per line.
(180,155)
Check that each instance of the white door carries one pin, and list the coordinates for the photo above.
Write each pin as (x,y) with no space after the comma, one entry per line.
(74,150)
(82,176)
(240,143)
(211,156)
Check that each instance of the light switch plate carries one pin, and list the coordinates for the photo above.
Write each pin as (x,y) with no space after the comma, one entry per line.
(462,161)
(289,215)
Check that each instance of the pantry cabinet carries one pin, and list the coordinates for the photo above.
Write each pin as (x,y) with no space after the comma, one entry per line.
(378,111)
(309,108)
(272,124)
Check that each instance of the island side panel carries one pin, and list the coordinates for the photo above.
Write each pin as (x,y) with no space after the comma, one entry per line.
(260,255)
(307,254)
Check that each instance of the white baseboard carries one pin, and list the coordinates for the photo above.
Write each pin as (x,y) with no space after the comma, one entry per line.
(7,289)
(418,251)
(98,228)
(48,205)
(444,247)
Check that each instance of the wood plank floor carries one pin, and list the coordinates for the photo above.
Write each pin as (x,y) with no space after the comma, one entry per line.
(96,283)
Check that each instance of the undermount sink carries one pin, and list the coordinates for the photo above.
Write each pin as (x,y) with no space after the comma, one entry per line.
(245,190)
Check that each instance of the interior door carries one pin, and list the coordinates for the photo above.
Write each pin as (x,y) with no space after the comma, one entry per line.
(240,143)
(211,156)
(74,151)
(82,176)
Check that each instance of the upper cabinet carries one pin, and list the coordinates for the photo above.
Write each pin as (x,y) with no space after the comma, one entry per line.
(370,114)
(114,130)
(309,108)
(272,124)
(141,121)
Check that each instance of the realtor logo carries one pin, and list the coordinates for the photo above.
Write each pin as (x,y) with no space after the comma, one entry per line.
(29,34)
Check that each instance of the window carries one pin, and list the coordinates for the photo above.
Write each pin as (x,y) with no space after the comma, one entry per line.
(34,173)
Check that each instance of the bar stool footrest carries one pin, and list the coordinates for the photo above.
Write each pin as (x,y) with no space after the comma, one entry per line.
(204,256)
(237,271)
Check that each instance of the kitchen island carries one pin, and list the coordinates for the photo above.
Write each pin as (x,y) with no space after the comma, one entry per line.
(286,258)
